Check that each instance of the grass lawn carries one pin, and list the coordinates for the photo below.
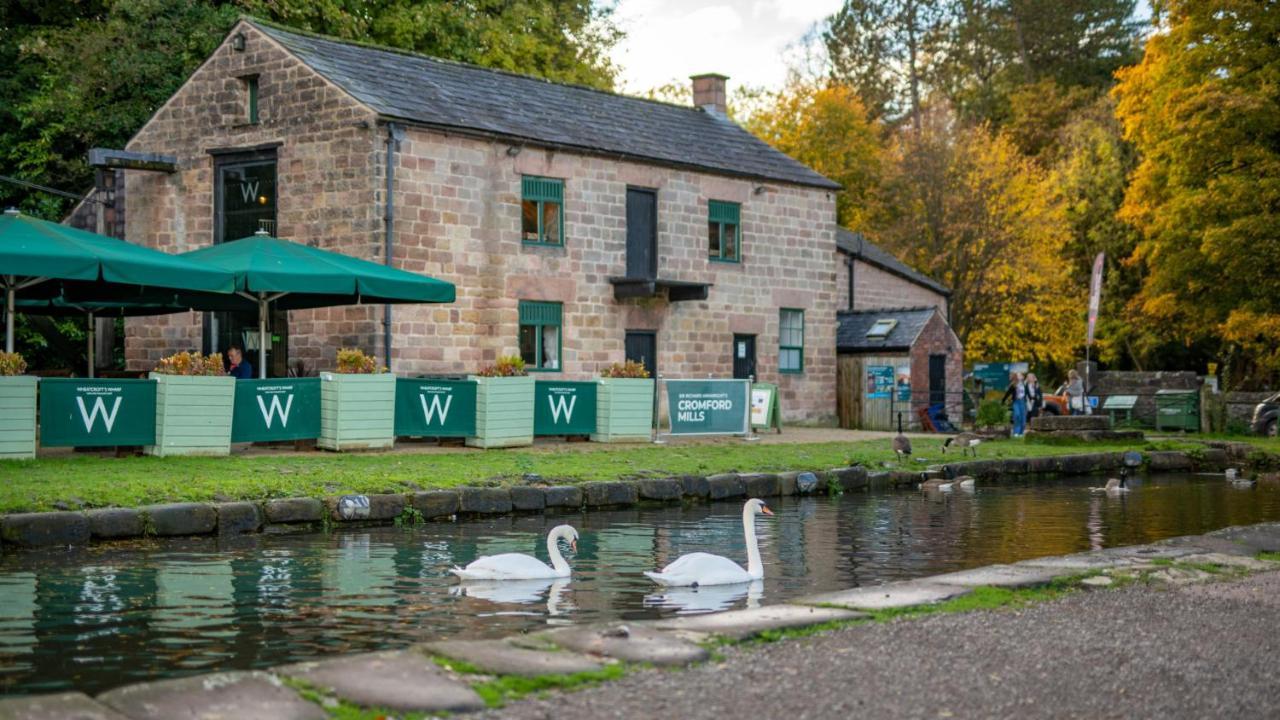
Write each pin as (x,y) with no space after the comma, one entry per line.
(73,482)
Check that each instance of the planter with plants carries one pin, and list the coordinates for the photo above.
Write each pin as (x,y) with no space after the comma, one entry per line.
(17,409)
(504,405)
(357,404)
(624,404)
(194,401)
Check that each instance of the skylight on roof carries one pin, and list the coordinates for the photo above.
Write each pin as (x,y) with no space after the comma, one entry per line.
(881,329)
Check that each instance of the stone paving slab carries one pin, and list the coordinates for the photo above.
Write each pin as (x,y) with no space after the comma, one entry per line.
(886,597)
(290,510)
(62,706)
(181,518)
(1241,562)
(1264,537)
(230,695)
(739,624)
(501,657)
(626,642)
(1084,562)
(402,680)
(1004,576)
(51,528)
(111,523)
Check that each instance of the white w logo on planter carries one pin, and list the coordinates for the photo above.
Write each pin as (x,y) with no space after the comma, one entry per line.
(436,408)
(562,405)
(276,409)
(99,408)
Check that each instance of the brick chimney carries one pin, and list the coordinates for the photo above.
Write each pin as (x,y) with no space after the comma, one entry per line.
(709,93)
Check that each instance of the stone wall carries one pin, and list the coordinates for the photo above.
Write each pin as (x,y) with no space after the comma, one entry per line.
(1144,385)
(876,289)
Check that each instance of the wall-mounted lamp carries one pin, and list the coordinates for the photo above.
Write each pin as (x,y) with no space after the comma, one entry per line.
(237,42)
(514,150)
(760,190)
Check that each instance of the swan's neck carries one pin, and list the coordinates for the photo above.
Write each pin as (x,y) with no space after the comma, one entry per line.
(755,568)
(557,560)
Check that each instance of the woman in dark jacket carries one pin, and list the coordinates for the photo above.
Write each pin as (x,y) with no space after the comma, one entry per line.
(1035,397)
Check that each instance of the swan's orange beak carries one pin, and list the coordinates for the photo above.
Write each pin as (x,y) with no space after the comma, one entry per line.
(765,509)
(573,545)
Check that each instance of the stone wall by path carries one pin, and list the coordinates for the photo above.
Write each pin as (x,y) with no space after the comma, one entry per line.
(231,518)
(1144,385)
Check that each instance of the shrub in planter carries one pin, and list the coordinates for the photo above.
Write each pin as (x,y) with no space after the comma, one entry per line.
(357,404)
(624,404)
(504,405)
(17,408)
(194,402)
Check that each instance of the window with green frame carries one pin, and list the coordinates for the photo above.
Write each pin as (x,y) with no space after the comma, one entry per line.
(251,98)
(541,211)
(540,339)
(724,231)
(791,341)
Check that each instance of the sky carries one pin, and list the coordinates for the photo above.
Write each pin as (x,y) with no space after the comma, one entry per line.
(745,39)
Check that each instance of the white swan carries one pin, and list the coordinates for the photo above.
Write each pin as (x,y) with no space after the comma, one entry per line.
(697,569)
(518,566)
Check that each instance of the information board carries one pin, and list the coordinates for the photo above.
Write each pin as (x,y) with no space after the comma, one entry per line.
(274,410)
(708,407)
(879,382)
(435,408)
(97,412)
(564,408)
(766,411)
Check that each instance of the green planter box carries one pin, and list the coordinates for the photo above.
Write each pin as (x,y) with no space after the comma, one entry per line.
(357,412)
(193,415)
(504,412)
(17,417)
(624,410)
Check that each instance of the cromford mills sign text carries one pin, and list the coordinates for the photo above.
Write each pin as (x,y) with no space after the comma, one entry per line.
(280,409)
(708,407)
(97,413)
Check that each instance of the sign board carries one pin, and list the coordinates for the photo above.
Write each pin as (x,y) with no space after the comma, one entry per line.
(1095,295)
(903,380)
(279,409)
(879,381)
(766,411)
(564,408)
(435,408)
(995,376)
(97,413)
(708,407)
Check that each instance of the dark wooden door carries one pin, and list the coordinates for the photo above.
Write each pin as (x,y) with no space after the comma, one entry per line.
(937,379)
(744,356)
(642,347)
(642,233)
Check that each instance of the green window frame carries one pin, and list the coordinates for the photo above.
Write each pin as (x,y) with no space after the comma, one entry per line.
(541,336)
(724,231)
(791,340)
(541,211)
(251,91)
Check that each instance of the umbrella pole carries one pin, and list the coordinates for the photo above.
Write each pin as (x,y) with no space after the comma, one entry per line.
(262,335)
(9,314)
(93,327)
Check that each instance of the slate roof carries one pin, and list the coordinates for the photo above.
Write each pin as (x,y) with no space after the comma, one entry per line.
(852,243)
(452,95)
(851,335)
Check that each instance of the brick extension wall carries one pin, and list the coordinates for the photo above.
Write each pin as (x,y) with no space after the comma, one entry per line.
(458,213)
(877,289)
(937,338)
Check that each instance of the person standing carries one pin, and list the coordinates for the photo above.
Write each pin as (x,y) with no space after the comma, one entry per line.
(1016,396)
(1035,397)
(1075,393)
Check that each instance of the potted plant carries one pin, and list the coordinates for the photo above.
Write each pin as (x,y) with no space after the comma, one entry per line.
(624,404)
(17,408)
(194,401)
(357,404)
(504,405)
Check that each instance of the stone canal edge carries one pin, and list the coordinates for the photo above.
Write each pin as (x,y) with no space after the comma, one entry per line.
(301,514)
(464,676)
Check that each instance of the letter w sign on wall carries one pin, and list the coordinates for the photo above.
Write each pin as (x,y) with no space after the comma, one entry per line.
(276,409)
(435,408)
(97,413)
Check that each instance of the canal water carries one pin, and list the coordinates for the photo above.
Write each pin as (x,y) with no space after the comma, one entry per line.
(97,617)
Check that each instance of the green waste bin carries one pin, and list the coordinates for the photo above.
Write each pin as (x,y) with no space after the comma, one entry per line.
(1178,410)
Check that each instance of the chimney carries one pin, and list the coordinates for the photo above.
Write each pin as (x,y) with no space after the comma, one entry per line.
(709,93)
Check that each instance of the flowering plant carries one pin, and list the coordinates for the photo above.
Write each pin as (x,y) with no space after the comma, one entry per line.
(12,363)
(191,363)
(353,361)
(509,366)
(628,369)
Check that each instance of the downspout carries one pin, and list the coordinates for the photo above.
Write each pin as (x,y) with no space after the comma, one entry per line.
(852,265)
(395,133)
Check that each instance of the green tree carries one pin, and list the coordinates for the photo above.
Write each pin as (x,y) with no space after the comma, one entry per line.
(1203,111)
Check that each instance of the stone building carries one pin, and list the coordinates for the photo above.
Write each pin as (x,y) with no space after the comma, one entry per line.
(580,227)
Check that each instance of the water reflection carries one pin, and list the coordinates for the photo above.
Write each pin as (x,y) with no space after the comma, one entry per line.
(101,616)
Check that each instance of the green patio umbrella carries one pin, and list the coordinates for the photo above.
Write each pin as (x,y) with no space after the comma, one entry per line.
(55,260)
(271,271)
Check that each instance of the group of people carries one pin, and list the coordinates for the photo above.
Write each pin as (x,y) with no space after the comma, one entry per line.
(1026,398)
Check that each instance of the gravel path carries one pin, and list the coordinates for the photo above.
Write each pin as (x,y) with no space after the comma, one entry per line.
(1204,651)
